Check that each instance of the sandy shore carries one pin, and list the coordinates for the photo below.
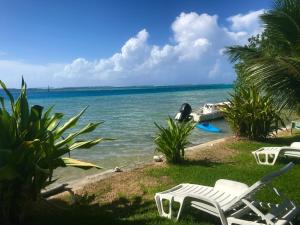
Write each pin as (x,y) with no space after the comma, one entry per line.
(81,183)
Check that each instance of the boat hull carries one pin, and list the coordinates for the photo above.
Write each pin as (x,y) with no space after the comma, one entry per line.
(206,117)
(208,127)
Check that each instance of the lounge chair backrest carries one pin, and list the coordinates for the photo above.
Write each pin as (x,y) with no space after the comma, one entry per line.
(265,181)
(261,183)
(231,187)
(295,145)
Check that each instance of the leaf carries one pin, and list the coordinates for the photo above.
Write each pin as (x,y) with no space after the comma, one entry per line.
(21,108)
(79,164)
(52,123)
(11,98)
(70,123)
(47,113)
(2,103)
(88,128)
(36,112)
(85,144)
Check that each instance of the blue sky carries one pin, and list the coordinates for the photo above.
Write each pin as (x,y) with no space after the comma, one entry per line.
(122,42)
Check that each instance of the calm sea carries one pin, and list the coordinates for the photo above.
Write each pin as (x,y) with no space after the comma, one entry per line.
(129,115)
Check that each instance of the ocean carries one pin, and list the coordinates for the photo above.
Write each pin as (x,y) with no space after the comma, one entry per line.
(129,115)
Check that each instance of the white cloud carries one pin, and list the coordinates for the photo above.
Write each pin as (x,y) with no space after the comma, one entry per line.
(247,23)
(190,26)
(195,55)
(35,74)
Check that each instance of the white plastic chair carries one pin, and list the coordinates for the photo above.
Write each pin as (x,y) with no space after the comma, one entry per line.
(269,155)
(229,200)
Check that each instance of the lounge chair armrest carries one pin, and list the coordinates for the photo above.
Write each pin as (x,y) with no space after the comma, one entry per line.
(204,200)
(208,205)
(208,200)
(171,189)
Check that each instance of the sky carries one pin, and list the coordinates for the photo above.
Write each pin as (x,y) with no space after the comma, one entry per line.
(71,43)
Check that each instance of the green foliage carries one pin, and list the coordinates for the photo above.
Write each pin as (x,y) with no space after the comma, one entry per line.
(32,146)
(251,114)
(272,61)
(172,140)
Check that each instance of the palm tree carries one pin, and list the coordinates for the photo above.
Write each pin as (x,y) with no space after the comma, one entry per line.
(273,62)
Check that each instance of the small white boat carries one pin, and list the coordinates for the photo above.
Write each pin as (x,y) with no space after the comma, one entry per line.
(209,111)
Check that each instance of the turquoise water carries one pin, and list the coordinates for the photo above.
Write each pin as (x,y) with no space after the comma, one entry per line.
(129,115)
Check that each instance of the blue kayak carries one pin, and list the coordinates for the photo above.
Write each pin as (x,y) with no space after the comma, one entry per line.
(208,127)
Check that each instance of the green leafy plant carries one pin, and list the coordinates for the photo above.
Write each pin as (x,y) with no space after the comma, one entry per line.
(251,114)
(33,143)
(172,140)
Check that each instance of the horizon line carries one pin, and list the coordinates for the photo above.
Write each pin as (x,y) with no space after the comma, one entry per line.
(131,86)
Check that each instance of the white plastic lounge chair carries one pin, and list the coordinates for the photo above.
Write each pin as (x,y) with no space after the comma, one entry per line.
(269,155)
(233,202)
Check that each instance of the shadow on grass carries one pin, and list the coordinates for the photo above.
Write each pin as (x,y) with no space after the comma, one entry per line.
(134,211)
(202,162)
(121,211)
(286,140)
(285,160)
(115,212)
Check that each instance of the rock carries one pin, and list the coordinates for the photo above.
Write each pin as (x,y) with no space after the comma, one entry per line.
(158,158)
(118,169)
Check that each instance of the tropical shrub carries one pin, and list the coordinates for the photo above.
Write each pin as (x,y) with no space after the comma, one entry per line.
(172,140)
(33,143)
(251,114)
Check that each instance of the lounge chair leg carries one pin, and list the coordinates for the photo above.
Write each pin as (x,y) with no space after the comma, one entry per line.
(274,159)
(266,158)
(259,158)
(223,219)
(170,207)
(180,210)
(159,205)
(255,156)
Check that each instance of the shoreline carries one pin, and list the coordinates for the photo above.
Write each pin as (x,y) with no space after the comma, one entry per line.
(80,183)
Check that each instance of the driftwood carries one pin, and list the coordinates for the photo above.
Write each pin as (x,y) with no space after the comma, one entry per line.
(57,190)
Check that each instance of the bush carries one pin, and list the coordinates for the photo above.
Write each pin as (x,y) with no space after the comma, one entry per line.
(172,140)
(251,114)
(32,146)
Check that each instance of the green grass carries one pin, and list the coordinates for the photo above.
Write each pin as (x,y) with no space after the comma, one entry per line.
(134,210)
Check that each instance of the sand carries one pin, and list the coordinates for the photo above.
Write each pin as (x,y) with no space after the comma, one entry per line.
(205,151)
